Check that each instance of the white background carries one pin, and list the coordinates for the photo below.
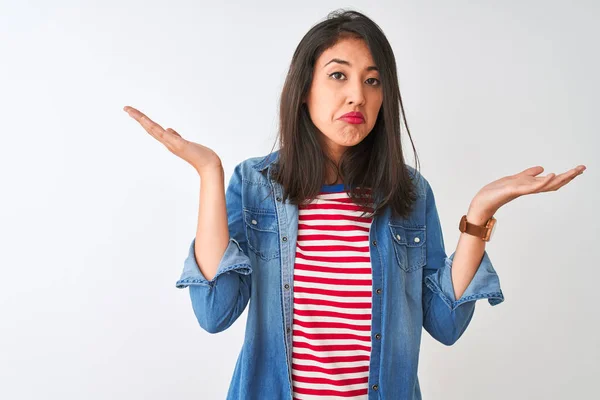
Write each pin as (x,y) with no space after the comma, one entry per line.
(96,216)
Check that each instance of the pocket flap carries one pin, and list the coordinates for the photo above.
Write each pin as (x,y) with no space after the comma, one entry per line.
(261,220)
(408,236)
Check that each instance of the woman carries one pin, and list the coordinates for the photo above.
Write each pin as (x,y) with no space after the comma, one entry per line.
(333,241)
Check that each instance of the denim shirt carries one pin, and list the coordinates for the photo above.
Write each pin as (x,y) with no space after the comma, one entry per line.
(411,275)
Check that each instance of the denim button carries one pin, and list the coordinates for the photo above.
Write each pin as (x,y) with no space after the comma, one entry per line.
(375,387)
(374,242)
(254,222)
(278,198)
(398,237)
(284,238)
(286,286)
(378,336)
(378,291)
(288,329)
(417,240)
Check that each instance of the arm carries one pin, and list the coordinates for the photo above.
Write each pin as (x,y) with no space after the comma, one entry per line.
(219,297)
(445,317)
(212,236)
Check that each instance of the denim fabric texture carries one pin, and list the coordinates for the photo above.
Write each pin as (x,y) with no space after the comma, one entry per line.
(412,288)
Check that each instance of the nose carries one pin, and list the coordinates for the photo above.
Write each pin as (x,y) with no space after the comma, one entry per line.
(356,94)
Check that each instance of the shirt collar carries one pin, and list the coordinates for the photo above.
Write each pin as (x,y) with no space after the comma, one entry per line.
(266,161)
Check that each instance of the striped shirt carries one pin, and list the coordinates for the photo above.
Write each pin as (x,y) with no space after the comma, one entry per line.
(331,339)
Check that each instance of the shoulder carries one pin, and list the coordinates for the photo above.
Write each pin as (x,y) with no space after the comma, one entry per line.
(253,169)
(421,184)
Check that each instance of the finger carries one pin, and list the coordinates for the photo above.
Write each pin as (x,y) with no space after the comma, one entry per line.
(173,140)
(533,171)
(169,138)
(544,182)
(154,129)
(566,178)
(173,132)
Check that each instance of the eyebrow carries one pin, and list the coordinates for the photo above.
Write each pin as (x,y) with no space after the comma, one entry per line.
(339,61)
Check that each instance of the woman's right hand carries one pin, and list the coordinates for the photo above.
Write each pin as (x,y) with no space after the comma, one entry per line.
(200,157)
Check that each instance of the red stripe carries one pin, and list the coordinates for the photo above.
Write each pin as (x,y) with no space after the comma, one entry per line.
(331,336)
(332,281)
(335,382)
(333,217)
(339,304)
(332,237)
(330,371)
(335,270)
(336,259)
(337,206)
(333,227)
(364,249)
(332,325)
(323,392)
(332,347)
(324,313)
(326,360)
(341,293)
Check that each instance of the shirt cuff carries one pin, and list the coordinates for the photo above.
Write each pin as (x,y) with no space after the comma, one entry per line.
(484,285)
(234,259)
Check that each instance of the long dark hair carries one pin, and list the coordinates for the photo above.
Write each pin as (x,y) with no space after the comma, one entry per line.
(377,162)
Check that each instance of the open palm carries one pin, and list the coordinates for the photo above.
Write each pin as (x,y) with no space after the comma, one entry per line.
(197,155)
(495,194)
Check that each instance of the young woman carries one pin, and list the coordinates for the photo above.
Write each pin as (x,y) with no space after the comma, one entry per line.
(332,241)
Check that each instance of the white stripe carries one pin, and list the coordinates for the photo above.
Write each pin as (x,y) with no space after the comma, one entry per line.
(334,275)
(333,232)
(313,307)
(365,335)
(367,289)
(332,253)
(349,299)
(311,397)
(322,342)
(310,318)
(324,375)
(361,246)
(334,353)
(334,264)
(319,386)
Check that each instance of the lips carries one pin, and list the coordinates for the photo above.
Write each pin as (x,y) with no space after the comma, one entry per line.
(353,114)
(354,117)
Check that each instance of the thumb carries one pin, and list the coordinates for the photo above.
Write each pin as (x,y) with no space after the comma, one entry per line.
(173,132)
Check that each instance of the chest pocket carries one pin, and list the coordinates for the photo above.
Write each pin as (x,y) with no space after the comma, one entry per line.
(262,232)
(409,246)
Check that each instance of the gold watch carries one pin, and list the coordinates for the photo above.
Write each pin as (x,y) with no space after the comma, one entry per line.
(483,232)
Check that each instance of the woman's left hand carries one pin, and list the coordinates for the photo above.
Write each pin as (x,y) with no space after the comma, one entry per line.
(494,195)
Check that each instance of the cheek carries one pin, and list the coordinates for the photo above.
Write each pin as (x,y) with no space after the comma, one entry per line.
(376,109)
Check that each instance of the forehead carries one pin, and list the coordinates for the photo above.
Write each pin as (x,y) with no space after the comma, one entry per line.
(354,50)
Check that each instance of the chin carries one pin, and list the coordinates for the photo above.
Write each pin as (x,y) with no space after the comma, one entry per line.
(350,139)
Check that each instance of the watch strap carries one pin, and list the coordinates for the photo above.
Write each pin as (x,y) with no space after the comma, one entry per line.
(481,231)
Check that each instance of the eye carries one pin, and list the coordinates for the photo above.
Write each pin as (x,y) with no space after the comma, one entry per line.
(335,73)
(376,83)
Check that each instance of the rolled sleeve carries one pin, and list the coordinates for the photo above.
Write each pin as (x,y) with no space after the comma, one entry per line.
(484,285)
(234,259)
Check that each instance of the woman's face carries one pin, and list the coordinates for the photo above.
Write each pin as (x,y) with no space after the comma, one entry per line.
(345,79)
